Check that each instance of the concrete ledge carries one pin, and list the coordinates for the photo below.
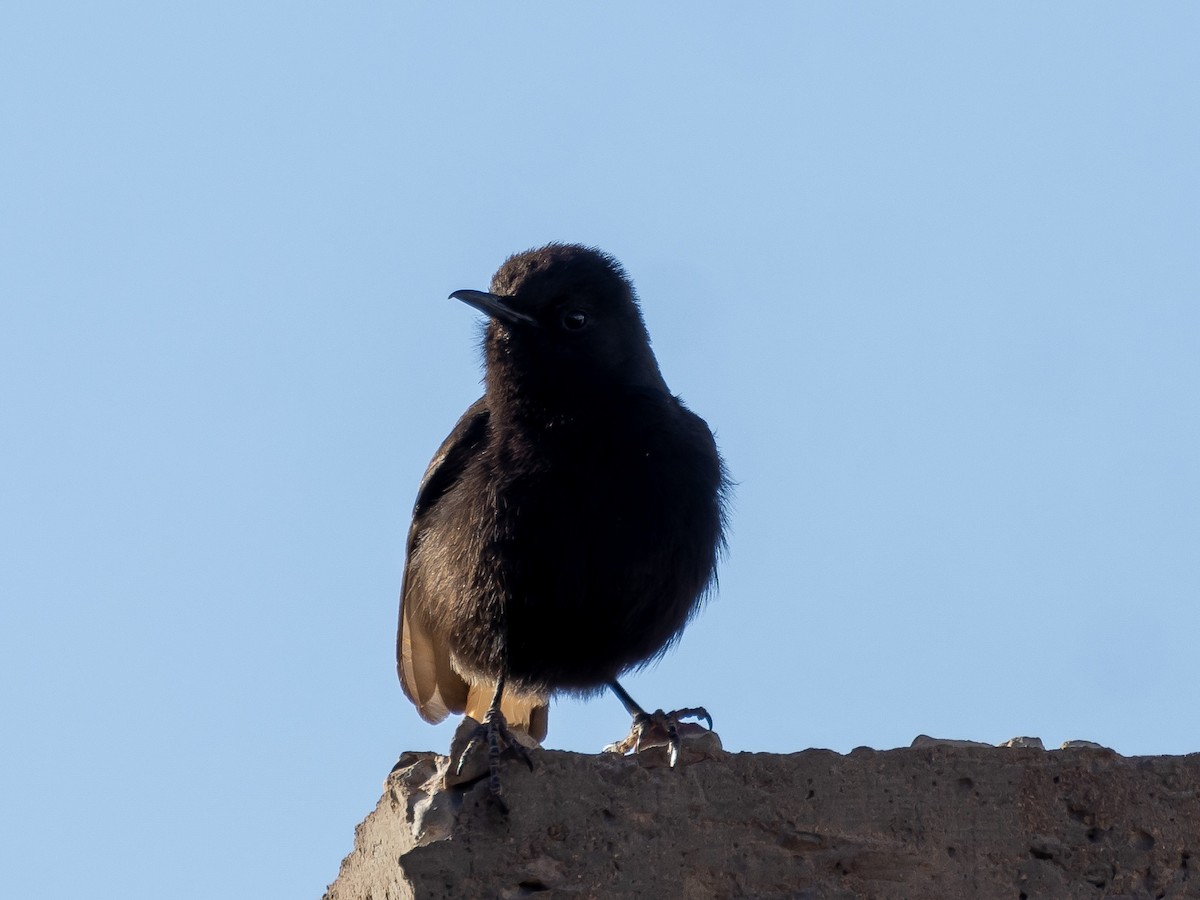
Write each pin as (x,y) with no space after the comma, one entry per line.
(937,820)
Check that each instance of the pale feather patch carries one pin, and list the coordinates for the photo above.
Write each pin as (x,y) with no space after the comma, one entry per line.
(425,672)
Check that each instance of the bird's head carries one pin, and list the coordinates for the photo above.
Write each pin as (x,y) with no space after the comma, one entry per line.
(564,318)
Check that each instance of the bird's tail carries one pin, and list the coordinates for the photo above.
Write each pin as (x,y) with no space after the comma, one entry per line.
(528,713)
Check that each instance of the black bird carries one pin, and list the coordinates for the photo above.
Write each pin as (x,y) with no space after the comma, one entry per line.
(569,527)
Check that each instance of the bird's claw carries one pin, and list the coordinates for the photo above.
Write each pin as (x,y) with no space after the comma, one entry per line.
(695,712)
(659,727)
(493,731)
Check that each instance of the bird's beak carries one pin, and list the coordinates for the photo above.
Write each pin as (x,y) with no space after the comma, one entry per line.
(495,306)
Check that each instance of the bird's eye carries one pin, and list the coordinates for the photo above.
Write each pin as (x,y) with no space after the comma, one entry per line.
(574,320)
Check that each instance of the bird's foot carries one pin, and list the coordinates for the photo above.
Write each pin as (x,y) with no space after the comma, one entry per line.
(488,740)
(666,729)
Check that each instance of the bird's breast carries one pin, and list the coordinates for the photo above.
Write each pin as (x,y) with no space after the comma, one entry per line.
(593,541)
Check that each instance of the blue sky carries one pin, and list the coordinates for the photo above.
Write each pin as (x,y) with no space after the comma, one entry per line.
(929,270)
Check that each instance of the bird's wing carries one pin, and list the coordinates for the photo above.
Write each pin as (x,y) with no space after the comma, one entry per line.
(422,660)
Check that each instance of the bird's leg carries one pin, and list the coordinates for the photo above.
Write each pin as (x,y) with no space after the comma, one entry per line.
(494,731)
(656,724)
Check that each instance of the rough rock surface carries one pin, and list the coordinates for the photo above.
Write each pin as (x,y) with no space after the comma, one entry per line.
(936,820)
